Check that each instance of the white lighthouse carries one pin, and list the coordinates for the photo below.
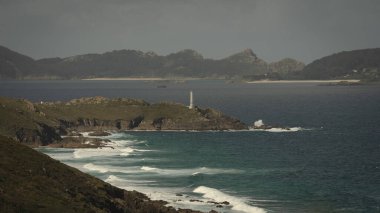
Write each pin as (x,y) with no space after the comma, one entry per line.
(191,106)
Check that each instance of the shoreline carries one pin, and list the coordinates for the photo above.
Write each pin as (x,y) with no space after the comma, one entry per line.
(184,79)
(302,81)
(181,201)
(140,79)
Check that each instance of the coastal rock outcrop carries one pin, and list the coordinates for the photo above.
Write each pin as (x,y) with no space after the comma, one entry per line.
(41,135)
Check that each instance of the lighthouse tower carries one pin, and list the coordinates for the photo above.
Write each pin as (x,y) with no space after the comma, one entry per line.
(191,106)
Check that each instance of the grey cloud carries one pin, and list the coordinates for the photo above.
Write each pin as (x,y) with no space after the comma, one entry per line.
(302,29)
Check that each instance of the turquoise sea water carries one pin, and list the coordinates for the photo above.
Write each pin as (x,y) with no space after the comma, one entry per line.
(331,165)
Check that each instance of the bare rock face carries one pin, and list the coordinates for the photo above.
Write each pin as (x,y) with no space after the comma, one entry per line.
(43,135)
(135,122)
(99,133)
(245,56)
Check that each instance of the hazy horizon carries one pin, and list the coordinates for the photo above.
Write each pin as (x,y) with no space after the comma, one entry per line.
(305,30)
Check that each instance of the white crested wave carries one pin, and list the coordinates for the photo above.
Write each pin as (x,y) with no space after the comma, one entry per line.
(114,179)
(291,129)
(260,126)
(93,167)
(147,168)
(107,168)
(113,148)
(191,171)
(155,193)
(169,194)
(101,151)
(238,204)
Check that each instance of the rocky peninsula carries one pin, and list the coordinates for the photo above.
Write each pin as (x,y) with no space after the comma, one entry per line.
(45,123)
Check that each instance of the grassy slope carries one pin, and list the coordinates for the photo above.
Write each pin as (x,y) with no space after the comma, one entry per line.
(116,110)
(19,113)
(33,182)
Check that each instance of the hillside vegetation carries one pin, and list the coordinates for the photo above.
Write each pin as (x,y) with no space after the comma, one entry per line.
(33,182)
(357,64)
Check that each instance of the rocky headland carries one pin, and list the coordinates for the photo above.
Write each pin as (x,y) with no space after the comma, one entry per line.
(45,123)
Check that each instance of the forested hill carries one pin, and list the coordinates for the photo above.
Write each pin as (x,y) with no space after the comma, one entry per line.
(245,65)
(14,65)
(357,64)
(134,63)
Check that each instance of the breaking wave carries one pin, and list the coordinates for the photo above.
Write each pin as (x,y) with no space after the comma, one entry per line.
(103,151)
(238,204)
(107,168)
(190,171)
(292,129)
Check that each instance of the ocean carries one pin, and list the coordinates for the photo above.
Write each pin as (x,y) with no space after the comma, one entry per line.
(329,163)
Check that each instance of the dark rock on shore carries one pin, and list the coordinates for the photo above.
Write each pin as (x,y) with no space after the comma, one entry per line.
(99,133)
(42,134)
(79,142)
(343,83)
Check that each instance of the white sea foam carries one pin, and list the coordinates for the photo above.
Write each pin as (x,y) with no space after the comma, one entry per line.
(292,129)
(113,179)
(102,151)
(238,204)
(169,194)
(258,123)
(190,171)
(147,168)
(155,193)
(108,168)
(93,167)
(116,135)
(112,148)
(85,134)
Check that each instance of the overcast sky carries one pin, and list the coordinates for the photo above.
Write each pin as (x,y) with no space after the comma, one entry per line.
(302,29)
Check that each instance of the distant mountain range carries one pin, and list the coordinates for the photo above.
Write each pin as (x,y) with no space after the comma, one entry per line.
(244,65)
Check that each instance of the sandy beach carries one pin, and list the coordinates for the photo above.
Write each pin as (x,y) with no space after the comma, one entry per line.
(125,79)
(303,81)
